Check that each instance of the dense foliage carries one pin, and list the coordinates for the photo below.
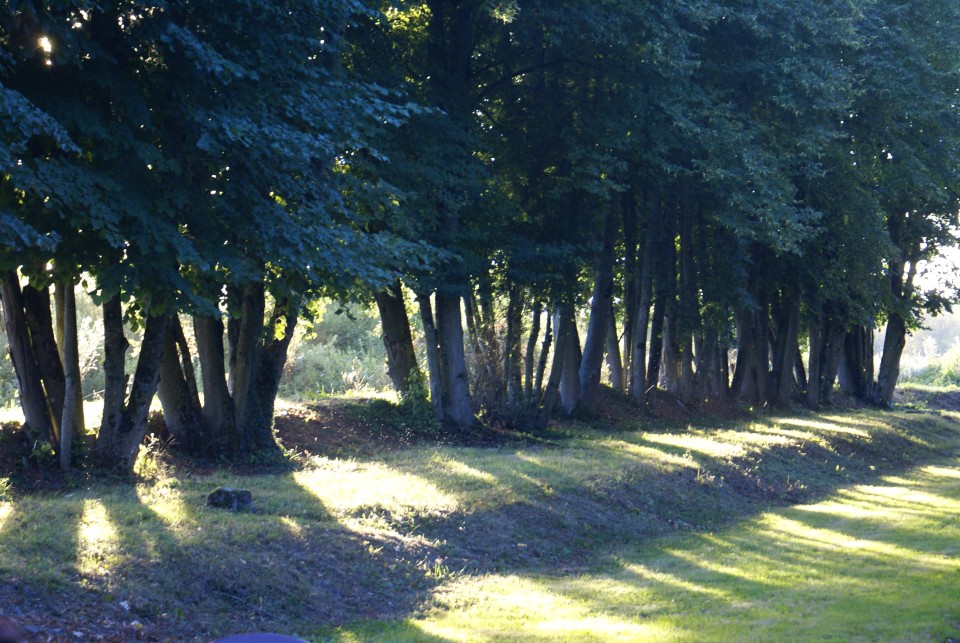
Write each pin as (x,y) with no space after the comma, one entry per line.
(702,181)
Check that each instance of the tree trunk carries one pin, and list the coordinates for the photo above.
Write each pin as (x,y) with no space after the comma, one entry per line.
(785,347)
(455,393)
(542,360)
(115,346)
(273,356)
(815,334)
(893,344)
(638,339)
(529,357)
(397,338)
(36,305)
(513,354)
(570,371)
(551,393)
(218,410)
(72,390)
(122,433)
(29,383)
(601,309)
(63,290)
(247,360)
(856,363)
(614,360)
(433,355)
(181,405)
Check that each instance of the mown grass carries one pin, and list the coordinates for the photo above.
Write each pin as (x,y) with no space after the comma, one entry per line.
(831,526)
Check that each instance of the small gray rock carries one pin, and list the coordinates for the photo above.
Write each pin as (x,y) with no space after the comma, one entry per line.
(232,499)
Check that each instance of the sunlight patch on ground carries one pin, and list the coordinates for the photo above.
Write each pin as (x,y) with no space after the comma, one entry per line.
(674,581)
(97,541)
(167,503)
(823,426)
(706,446)
(345,487)
(858,565)
(650,454)
(462,469)
(523,609)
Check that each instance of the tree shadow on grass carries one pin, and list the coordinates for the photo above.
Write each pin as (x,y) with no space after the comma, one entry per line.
(287,567)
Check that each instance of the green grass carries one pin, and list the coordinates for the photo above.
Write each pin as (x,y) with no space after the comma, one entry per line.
(804,527)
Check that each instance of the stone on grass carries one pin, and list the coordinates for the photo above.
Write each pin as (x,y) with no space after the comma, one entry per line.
(232,499)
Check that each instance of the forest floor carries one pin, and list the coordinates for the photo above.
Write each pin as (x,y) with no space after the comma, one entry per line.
(369,527)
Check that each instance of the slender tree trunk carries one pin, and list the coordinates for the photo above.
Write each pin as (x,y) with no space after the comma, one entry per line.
(513,353)
(542,360)
(72,391)
(433,355)
(570,371)
(397,338)
(815,334)
(638,355)
(529,357)
(551,393)
(688,313)
(29,383)
(456,390)
(71,366)
(614,360)
(601,309)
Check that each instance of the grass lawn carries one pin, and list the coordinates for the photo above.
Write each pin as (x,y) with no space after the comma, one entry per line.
(798,527)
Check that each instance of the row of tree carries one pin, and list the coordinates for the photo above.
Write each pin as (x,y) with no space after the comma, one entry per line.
(699,177)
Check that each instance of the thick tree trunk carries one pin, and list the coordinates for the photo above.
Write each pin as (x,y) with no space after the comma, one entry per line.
(120,437)
(69,425)
(785,347)
(178,397)
(433,355)
(397,338)
(29,383)
(889,372)
(218,410)
(598,327)
(455,394)
(36,305)
(283,323)
(247,360)
(115,347)
(856,363)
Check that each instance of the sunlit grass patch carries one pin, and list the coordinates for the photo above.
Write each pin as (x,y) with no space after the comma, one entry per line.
(372,493)
(861,565)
